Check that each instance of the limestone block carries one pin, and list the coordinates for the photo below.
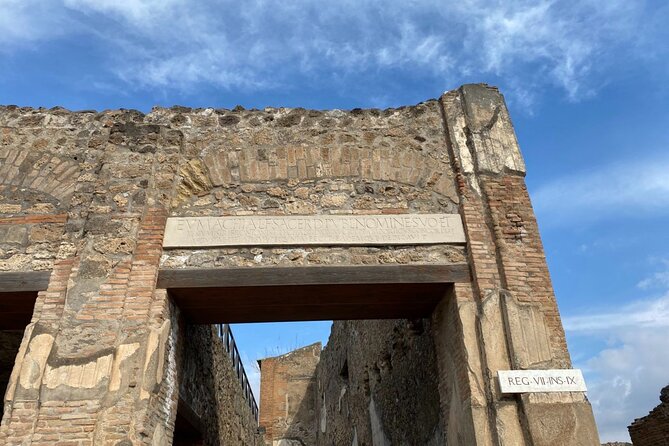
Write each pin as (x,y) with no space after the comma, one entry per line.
(493,338)
(491,131)
(561,424)
(508,428)
(467,313)
(10,208)
(155,358)
(123,352)
(84,376)
(34,361)
(13,234)
(527,332)
(16,371)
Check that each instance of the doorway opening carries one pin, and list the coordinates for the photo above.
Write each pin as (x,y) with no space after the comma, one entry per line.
(16,309)
(375,378)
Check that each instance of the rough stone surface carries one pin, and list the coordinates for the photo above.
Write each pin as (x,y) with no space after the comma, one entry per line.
(653,429)
(209,386)
(85,195)
(377,385)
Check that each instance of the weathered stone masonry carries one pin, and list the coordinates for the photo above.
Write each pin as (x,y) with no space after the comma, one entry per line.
(84,196)
(653,429)
(288,397)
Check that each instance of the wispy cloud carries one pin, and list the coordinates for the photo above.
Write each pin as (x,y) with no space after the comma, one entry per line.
(25,22)
(258,44)
(626,375)
(647,313)
(606,191)
(658,278)
(624,380)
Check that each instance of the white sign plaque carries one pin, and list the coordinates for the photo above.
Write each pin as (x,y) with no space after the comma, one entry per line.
(404,229)
(521,381)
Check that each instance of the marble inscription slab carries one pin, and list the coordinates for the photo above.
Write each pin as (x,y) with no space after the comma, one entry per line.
(521,381)
(324,230)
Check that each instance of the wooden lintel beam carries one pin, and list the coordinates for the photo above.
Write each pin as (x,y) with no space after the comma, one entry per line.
(11,281)
(312,275)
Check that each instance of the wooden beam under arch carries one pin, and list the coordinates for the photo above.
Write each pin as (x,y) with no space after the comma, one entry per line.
(276,294)
(311,275)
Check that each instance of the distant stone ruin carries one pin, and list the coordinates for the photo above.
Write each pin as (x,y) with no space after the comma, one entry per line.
(653,429)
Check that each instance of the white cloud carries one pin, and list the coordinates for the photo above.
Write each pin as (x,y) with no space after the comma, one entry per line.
(24,22)
(258,44)
(649,313)
(625,380)
(658,278)
(625,377)
(606,191)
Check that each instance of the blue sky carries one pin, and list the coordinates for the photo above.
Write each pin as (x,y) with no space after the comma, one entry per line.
(587,84)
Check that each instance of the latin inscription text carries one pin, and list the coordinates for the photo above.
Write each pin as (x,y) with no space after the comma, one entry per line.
(313,230)
(520,381)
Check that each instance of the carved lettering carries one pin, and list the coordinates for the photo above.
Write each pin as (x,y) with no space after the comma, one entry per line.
(411,229)
(521,381)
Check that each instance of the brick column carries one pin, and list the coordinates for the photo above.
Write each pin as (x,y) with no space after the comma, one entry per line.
(97,364)
(93,366)
(507,318)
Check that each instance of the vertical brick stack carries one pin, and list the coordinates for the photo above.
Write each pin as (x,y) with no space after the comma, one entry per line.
(508,314)
(288,396)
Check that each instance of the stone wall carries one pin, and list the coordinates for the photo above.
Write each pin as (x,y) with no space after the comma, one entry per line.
(377,385)
(86,195)
(653,429)
(288,397)
(306,162)
(209,387)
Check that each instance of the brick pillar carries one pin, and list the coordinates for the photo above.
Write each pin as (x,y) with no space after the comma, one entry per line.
(93,367)
(97,364)
(507,318)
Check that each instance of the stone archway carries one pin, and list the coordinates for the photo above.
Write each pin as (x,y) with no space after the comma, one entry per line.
(102,344)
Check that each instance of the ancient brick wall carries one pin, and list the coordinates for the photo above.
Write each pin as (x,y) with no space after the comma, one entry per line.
(304,162)
(85,196)
(288,397)
(209,387)
(653,429)
(378,385)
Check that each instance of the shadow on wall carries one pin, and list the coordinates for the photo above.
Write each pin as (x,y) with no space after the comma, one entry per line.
(377,385)
(211,392)
(10,341)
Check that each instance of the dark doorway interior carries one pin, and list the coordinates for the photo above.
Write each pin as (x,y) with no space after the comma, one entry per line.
(187,428)
(10,340)
(16,309)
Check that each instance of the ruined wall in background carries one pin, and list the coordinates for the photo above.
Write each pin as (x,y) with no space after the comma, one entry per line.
(209,386)
(653,429)
(288,397)
(377,385)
